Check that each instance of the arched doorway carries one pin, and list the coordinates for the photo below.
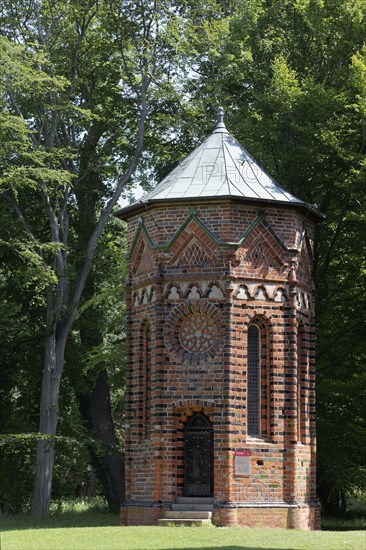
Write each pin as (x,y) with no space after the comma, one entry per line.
(198,457)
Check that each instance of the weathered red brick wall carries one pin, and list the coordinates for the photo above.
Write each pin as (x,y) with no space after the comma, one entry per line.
(227,220)
(236,266)
(296,517)
(140,515)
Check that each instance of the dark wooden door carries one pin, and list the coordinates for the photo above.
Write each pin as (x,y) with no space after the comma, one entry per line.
(198,457)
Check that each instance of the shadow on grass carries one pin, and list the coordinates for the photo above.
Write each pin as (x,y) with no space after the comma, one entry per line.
(60,520)
(353,523)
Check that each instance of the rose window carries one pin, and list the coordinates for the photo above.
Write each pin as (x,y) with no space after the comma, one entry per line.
(197,333)
(193,332)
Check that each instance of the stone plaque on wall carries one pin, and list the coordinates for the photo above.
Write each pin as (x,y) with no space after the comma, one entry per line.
(243,462)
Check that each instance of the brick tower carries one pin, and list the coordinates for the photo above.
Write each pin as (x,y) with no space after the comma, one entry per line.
(220,398)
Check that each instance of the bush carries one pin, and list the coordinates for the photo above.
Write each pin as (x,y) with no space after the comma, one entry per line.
(17,472)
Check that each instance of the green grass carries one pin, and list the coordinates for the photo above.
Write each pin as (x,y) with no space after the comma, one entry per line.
(85,525)
(154,538)
(94,529)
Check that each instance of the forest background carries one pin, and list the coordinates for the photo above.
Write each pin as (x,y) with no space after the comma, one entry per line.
(97,97)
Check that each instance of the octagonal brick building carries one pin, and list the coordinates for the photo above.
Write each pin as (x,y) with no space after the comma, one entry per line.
(220,396)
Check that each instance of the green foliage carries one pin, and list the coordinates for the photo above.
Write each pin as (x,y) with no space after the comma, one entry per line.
(79,505)
(72,470)
(16,463)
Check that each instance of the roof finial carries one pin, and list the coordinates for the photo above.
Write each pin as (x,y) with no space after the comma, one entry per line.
(220,115)
(220,119)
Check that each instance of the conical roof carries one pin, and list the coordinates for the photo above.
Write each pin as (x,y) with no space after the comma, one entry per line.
(219,168)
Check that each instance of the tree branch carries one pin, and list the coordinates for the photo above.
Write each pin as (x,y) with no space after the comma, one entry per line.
(19,113)
(94,238)
(23,221)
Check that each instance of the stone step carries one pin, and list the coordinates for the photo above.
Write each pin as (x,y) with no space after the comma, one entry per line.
(194,500)
(189,522)
(176,514)
(192,507)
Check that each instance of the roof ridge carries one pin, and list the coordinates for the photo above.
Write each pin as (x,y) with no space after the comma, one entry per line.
(213,168)
(226,174)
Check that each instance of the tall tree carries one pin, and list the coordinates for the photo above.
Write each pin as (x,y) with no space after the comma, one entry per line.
(77,93)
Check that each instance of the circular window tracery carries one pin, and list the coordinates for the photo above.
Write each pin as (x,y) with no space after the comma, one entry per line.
(193,332)
(197,333)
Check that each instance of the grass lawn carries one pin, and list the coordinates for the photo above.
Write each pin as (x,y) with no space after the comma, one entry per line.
(87,531)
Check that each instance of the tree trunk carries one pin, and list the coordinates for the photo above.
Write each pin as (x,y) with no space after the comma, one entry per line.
(107,460)
(94,398)
(61,313)
(44,473)
(95,409)
(45,456)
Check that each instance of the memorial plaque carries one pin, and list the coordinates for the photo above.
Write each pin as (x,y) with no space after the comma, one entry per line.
(243,462)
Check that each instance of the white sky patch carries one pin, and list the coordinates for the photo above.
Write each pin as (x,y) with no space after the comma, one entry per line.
(134,194)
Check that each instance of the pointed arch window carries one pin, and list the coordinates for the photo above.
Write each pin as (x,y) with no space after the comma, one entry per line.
(145,377)
(254,381)
(302,378)
(258,379)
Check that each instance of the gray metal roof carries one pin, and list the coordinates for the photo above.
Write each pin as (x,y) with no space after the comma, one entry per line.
(219,167)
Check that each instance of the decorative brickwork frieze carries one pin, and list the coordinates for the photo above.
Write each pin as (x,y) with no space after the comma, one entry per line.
(142,261)
(173,292)
(242,293)
(143,296)
(259,291)
(304,268)
(193,292)
(262,252)
(214,290)
(280,295)
(194,243)
(146,263)
(261,258)
(194,254)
